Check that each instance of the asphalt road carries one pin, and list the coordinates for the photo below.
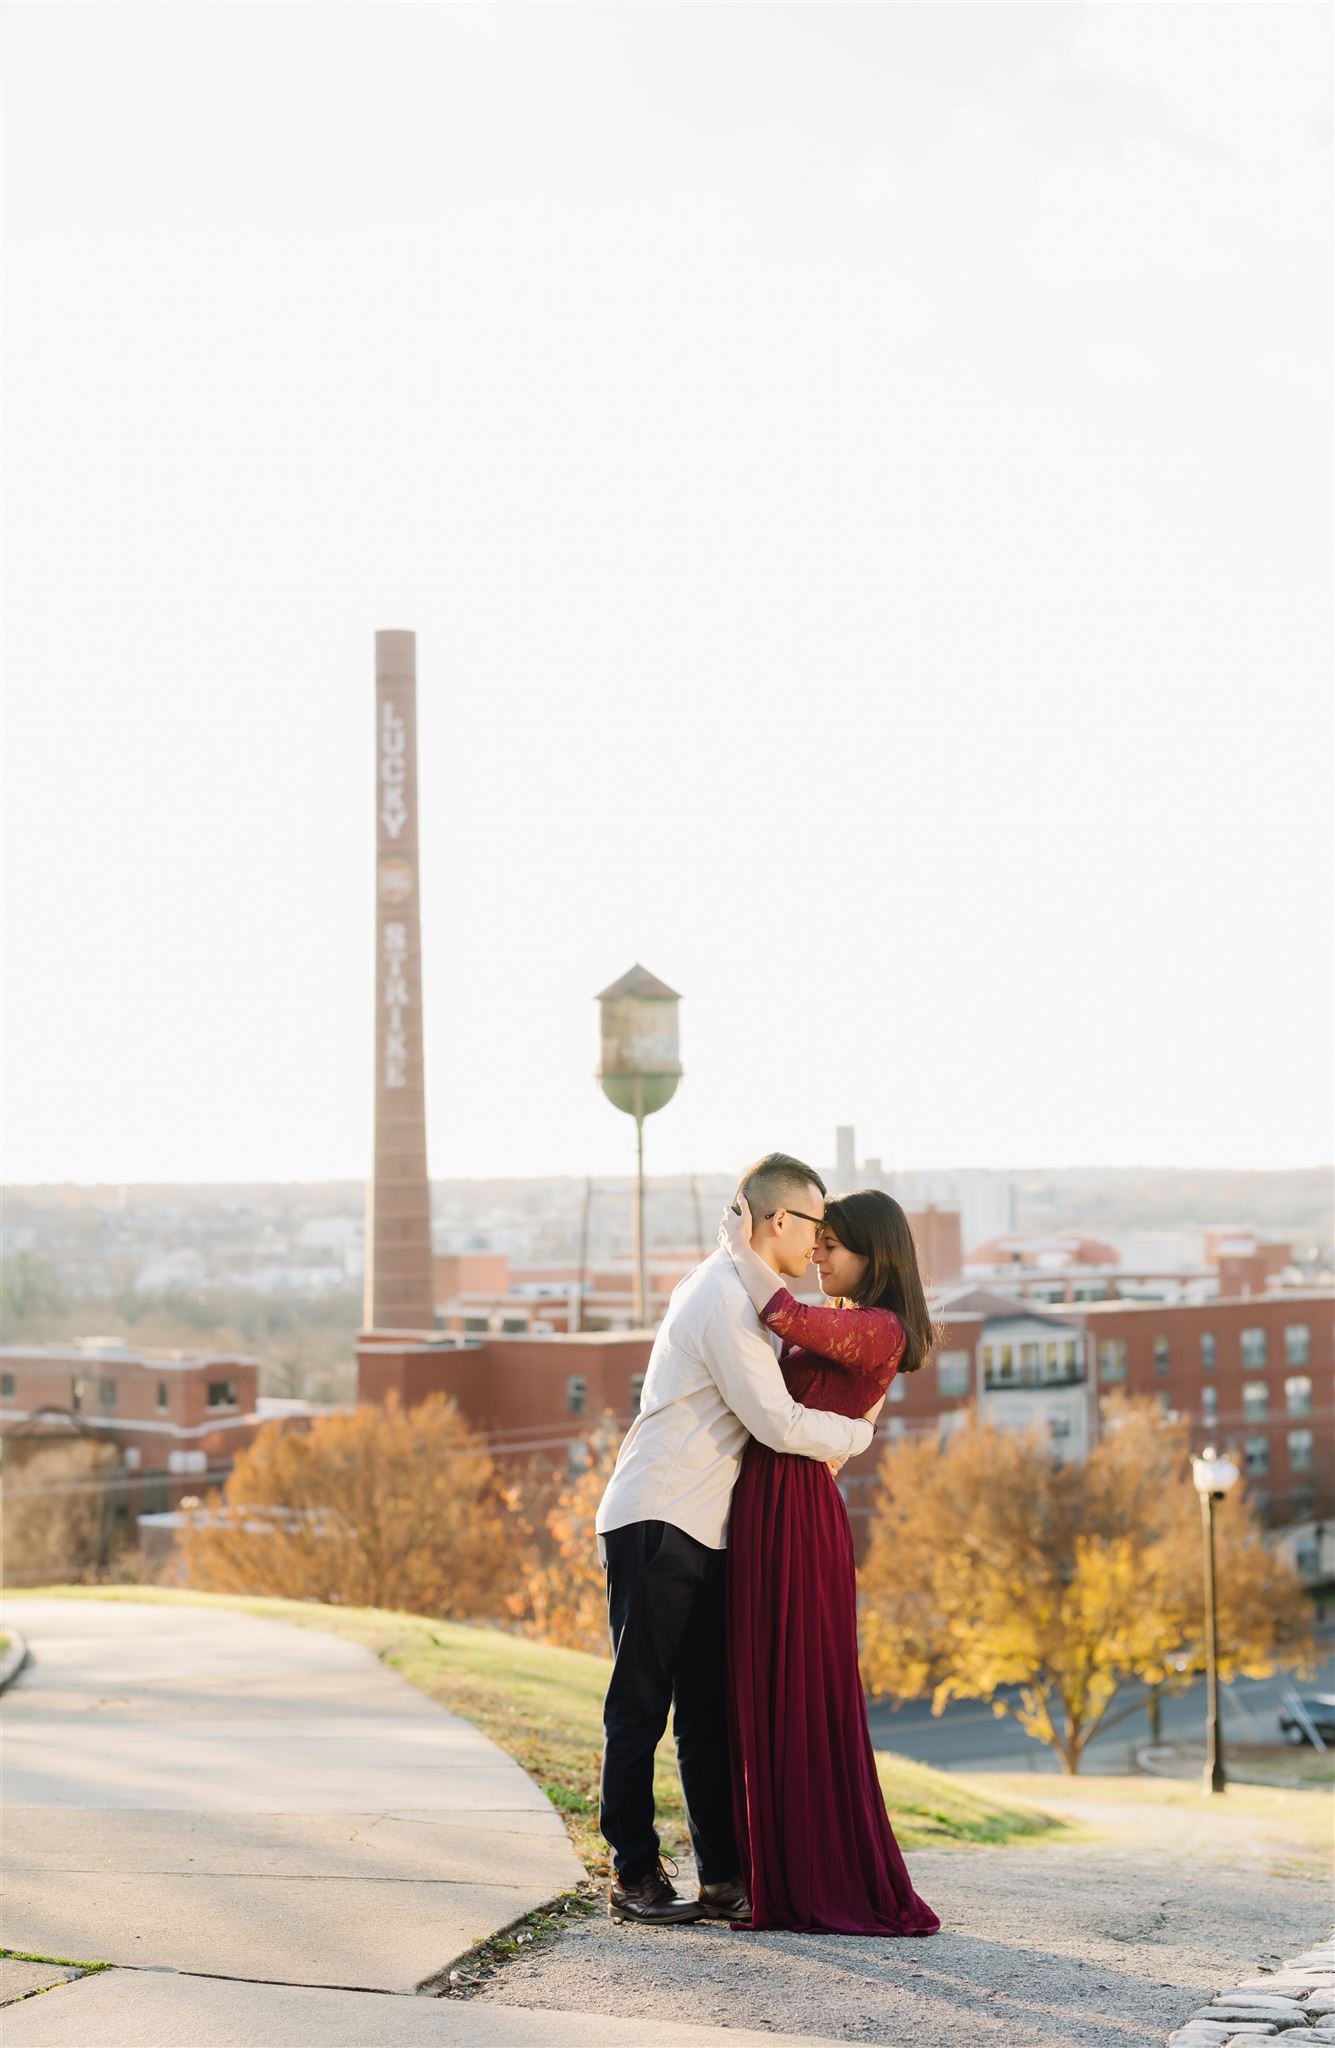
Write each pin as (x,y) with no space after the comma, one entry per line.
(968,1736)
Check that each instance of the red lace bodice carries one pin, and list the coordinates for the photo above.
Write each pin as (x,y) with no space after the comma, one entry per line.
(838,1359)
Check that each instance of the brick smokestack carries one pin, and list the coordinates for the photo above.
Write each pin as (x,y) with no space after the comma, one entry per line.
(398,1291)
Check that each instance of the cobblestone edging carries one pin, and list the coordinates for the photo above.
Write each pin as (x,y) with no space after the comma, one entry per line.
(15,1657)
(1295,2002)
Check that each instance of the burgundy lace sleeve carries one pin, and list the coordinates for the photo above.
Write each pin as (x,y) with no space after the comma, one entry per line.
(858,1340)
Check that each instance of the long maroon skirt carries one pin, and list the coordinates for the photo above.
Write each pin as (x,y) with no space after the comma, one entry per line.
(811,1821)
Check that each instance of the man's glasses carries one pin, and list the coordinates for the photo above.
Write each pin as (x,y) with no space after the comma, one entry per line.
(819,1221)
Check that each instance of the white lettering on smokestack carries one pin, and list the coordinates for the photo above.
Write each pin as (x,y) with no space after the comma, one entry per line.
(393,744)
(397,1000)
(399,1287)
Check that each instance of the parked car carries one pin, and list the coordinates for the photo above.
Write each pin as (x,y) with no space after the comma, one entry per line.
(1318,1709)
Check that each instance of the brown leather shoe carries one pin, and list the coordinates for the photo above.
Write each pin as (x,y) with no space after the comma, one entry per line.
(652,1902)
(726,1901)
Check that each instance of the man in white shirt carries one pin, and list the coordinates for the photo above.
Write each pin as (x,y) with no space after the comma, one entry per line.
(713,1381)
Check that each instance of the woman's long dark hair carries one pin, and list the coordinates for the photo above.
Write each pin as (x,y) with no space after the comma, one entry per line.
(873,1225)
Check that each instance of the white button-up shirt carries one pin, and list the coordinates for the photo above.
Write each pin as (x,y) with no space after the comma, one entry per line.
(713,1380)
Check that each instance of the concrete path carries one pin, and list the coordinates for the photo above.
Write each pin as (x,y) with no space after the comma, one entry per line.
(194,1790)
(131,2009)
(273,1837)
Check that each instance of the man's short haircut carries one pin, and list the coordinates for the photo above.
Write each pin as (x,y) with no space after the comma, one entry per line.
(778,1181)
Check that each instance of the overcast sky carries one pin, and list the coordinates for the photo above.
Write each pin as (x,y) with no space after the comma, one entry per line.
(860,478)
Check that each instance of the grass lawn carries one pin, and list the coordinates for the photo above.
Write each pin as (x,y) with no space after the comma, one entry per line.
(22,1955)
(544,1708)
(1256,1763)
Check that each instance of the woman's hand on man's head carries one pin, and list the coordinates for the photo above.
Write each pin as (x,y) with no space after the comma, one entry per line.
(735,1229)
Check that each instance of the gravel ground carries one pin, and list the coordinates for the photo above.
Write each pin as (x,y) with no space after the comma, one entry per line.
(1092,1946)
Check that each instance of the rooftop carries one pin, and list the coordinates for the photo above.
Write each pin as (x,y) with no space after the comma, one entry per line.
(639,982)
(112,1351)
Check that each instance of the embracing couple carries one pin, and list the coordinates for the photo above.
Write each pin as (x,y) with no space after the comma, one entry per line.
(730,1585)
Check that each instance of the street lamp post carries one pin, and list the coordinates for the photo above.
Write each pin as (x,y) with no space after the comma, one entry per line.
(1212,1476)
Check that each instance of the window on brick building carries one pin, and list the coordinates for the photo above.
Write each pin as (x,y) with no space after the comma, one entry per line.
(1255,1401)
(952,1373)
(999,1364)
(162,1394)
(514,1326)
(1060,1358)
(577,1459)
(1256,1455)
(157,1493)
(577,1392)
(898,1388)
(636,1391)
(1059,1428)
(1297,1344)
(1209,1406)
(77,1391)
(6,1386)
(1161,1358)
(1112,1359)
(106,1394)
(222,1393)
(1300,1450)
(1298,1394)
(1029,1364)
(476,1326)
(1255,1350)
(1207,1351)
(1165,1401)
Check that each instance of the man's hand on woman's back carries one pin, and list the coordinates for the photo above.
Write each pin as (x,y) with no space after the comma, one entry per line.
(835,1465)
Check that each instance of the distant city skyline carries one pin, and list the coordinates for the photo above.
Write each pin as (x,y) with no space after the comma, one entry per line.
(860,481)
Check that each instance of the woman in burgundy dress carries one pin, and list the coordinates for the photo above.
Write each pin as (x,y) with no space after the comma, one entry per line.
(811,1822)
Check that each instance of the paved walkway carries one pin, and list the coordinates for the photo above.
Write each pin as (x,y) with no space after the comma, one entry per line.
(273,1837)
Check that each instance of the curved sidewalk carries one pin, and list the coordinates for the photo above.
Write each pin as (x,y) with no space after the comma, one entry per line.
(197,1790)
(274,1839)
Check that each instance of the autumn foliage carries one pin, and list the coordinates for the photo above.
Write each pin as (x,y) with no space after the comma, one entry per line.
(56,1520)
(375,1507)
(991,1565)
(563,1595)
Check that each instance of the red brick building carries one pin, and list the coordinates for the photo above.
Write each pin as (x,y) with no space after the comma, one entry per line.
(527,1394)
(178,1419)
(1254,1373)
(940,1247)
(482,1293)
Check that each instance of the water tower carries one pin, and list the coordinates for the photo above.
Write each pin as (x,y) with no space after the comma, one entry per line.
(639,1071)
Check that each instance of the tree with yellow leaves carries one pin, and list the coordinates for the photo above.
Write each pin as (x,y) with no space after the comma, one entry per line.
(380,1506)
(992,1565)
(56,1507)
(564,1596)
